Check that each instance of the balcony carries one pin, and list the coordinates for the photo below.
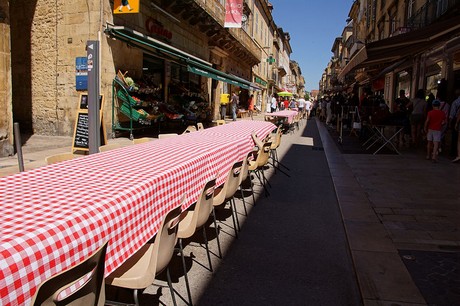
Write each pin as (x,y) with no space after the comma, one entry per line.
(216,9)
(433,11)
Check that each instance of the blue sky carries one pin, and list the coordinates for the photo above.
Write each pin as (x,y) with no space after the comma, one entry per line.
(313,26)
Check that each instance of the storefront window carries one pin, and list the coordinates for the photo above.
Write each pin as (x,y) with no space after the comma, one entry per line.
(403,82)
(433,77)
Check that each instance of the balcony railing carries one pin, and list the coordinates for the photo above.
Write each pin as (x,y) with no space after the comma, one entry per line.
(430,12)
(216,9)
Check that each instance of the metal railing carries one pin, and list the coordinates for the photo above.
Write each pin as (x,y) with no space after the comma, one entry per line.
(216,9)
(430,12)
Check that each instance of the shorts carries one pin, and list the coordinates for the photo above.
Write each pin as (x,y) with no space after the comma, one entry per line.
(433,135)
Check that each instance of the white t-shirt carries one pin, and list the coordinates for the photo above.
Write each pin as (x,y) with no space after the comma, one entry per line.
(274,104)
(307,105)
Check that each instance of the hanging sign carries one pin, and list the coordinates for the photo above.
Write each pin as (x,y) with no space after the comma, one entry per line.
(233,13)
(125,6)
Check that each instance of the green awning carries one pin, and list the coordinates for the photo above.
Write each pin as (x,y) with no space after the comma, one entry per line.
(214,74)
(194,64)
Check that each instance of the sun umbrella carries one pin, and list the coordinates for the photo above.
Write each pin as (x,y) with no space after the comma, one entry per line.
(284,94)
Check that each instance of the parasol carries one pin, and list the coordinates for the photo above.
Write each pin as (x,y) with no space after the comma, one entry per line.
(284,94)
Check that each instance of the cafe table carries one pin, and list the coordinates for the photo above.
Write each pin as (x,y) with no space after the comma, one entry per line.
(56,216)
(287,114)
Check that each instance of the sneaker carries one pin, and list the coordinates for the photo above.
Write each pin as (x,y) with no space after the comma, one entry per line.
(456,159)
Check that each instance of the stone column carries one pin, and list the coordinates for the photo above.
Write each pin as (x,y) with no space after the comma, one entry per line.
(6,113)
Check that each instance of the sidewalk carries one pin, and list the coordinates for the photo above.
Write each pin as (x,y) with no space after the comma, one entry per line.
(399,212)
(397,209)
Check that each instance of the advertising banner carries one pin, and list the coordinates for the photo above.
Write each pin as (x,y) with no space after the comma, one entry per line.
(233,13)
(125,6)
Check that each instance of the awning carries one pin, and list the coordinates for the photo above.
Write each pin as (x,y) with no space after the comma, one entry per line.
(392,49)
(194,64)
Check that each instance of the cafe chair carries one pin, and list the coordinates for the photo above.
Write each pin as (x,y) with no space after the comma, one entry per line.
(276,142)
(58,158)
(189,129)
(220,122)
(193,219)
(139,271)
(200,126)
(81,285)
(142,140)
(243,177)
(108,147)
(258,164)
(224,194)
(167,135)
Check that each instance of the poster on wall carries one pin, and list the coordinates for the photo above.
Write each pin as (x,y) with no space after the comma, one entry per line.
(125,6)
(233,13)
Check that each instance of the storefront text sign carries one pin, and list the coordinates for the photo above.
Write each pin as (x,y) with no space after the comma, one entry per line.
(233,13)
(156,28)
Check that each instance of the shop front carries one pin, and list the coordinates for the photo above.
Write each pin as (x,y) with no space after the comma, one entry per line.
(163,85)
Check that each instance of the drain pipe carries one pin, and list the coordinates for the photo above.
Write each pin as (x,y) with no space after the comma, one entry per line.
(17,141)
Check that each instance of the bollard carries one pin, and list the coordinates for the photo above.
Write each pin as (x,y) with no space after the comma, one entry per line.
(17,141)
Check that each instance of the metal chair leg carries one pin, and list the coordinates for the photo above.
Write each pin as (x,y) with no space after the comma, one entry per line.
(173,296)
(244,202)
(207,248)
(234,221)
(217,232)
(187,284)
(236,213)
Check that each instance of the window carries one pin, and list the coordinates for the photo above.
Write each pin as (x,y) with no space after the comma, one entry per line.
(410,8)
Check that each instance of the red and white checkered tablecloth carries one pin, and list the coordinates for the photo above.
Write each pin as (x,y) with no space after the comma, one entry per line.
(54,217)
(289,114)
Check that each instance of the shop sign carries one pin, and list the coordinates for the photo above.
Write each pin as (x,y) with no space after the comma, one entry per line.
(81,73)
(125,6)
(155,27)
(233,13)
(260,81)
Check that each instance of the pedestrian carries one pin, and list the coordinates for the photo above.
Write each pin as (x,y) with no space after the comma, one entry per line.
(401,115)
(251,106)
(433,127)
(273,104)
(308,108)
(234,103)
(301,106)
(417,115)
(223,107)
(328,110)
(453,115)
(457,130)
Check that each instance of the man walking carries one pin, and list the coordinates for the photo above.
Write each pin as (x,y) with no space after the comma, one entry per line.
(235,101)
(453,114)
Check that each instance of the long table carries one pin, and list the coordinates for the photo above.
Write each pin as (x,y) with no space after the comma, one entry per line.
(288,114)
(54,217)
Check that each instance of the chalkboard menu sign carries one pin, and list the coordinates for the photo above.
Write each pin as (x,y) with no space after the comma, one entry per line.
(81,131)
(81,135)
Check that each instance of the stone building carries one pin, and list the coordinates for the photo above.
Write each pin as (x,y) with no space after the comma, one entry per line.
(182,46)
(403,45)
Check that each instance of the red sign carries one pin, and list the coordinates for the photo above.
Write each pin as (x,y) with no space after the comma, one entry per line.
(155,27)
(233,13)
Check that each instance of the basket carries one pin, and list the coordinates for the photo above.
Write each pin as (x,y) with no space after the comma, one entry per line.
(133,114)
(127,98)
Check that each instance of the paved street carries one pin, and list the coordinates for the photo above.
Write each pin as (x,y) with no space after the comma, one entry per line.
(345,229)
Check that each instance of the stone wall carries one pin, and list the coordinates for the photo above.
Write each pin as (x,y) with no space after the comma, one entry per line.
(6,126)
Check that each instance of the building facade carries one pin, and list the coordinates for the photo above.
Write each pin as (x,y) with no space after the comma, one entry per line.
(400,45)
(178,52)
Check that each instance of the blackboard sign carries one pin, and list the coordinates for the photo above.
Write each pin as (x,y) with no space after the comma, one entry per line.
(80,137)
(81,131)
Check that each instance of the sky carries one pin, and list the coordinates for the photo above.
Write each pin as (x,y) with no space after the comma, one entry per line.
(313,26)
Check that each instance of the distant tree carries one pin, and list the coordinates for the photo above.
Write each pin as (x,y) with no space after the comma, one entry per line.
(307,95)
